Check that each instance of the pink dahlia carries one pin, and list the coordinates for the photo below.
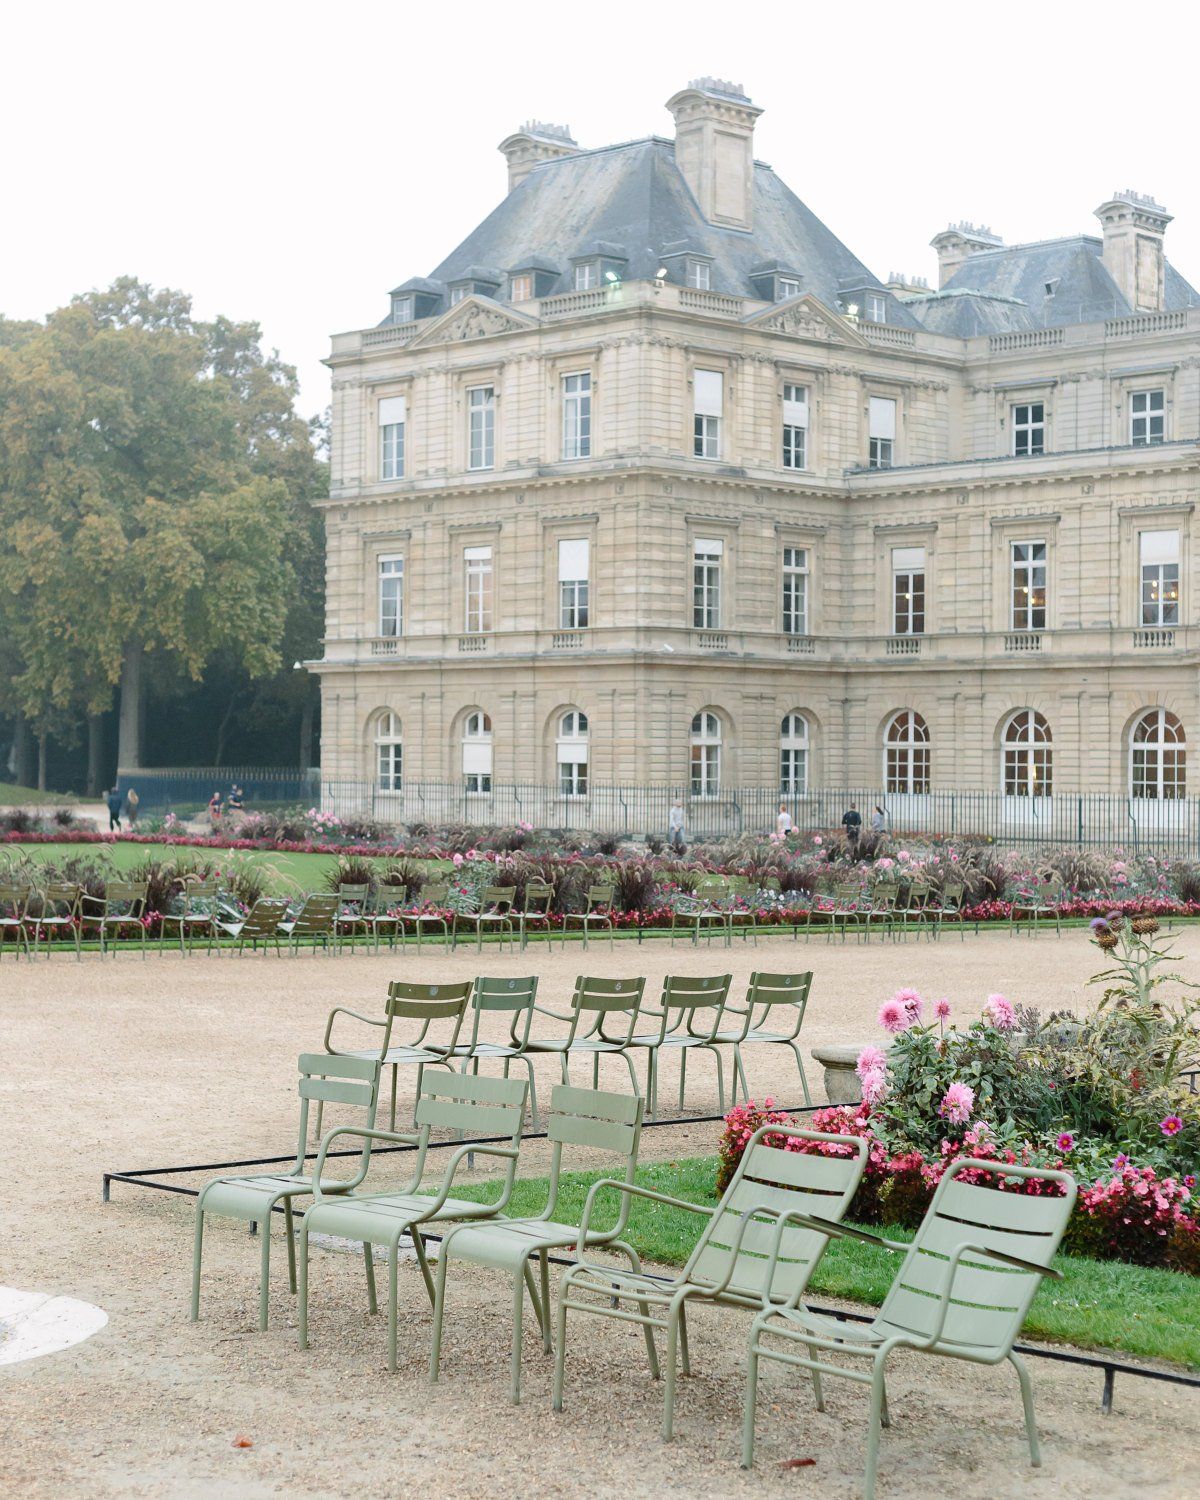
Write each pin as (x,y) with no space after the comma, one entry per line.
(893,1017)
(1172,1125)
(874,1086)
(869,1059)
(912,1003)
(1000,1012)
(957,1103)
(942,1010)
(1065,1142)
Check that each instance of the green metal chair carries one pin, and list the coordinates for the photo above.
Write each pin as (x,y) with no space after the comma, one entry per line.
(199,910)
(598,912)
(122,906)
(948,907)
(1041,904)
(690,1016)
(516,998)
(353,912)
(428,910)
(14,903)
(316,920)
(772,999)
(352,1081)
(751,1252)
(495,914)
(849,907)
(58,908)
(701,910)
(454,1101)
(384,911)
(963,1291)
(426,1005)
(739,903)
(536,910)
(601,1020)
(260,925)
(881,907)
(586,1118)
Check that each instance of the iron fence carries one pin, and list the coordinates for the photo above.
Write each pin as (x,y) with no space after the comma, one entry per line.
(177,789)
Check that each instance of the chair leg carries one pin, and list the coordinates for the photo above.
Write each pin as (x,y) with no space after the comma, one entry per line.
(439,1313)
(393,1298)
(302,1285)
(750,1405)
(1035,1452)
(560,1357)
(423,1262)
(197,1251)
(685,1359)
(683,1056)
(544,1283)
(514,1389)
(668,1420)
(264,1288)
(800,1064)
(290,1224)
(369,1262)
(873,1425)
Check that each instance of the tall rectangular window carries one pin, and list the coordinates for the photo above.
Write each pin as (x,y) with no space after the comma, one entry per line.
(785,287)
(908,590)
(479,589)
(391,596)
(699,274)
(1147,417)
(795,426)
(1160,577)
(795,591)
(577,415)
(402,309)
(881,432)
(1029,585)
(706,583)
(1029,429)
(709,386)
(481,427)
(573,563)
(876,307)
(520,288)
(587,275)
(392,415)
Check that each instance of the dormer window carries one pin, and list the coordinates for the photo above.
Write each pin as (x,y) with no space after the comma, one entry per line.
(520,288)
(876,307)
(699,275)
(402,309)
(587,275)
(457,293)
(785,287)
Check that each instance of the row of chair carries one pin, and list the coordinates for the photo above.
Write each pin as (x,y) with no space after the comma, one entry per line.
(427,1025)
(962,1290)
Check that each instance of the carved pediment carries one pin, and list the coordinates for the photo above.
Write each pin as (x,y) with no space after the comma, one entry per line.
(806,318)
(472,318)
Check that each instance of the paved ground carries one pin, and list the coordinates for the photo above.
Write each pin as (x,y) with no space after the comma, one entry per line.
(131,1063)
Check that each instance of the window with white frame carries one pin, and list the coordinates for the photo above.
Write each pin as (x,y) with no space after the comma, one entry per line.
(1159,557)
(391,596)
(1028,756)
(906,753)
(795,591)
(1157,757)
(478,562)
(1028,428)
(389,752)
(787,286)
(1028,565)
(393,413)
(587,275)
(481,427)
(402,309)
(458,294)
(881,432)
(709,394)
(706,755)
(908,590)
(520,288)
(699,275)
(795,426)
(477,754)
(571,753)
(707,554)
(573,567)
(876,307)
(1147,417)
(577,415)
(793,755)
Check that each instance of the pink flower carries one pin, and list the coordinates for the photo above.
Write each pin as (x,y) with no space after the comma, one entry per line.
(893,1016)
(942,1010)
(870,1059)
(903,856)
(458,859)
(912,1003)
(1065,1142)
(1000,1012)
(1172,1125)
(818,841)
(874,1086)
(957,1103)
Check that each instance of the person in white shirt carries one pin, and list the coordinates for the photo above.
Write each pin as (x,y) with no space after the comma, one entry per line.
(783,823)
(675,826)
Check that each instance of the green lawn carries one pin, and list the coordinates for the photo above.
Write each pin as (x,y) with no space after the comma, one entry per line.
(27,796)
(293,871)
(1098,1304)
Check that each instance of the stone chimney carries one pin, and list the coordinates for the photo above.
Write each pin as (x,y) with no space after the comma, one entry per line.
(535,141)
(956,243)
(1133,247)
(714,149)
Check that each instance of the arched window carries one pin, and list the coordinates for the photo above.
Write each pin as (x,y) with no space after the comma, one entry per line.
(706,755)
(389,752)
(571,753)
(906,752)
(1028,756)
(793,755)
(1157,757)
(477,753)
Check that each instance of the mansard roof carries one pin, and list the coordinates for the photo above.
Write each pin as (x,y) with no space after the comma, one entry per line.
(635,197)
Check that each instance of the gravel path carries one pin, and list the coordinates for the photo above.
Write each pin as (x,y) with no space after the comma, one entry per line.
(130,1063)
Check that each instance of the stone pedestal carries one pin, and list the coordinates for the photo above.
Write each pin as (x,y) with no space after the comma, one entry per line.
(841,1080)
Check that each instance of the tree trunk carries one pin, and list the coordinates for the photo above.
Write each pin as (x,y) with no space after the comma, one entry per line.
(307,714)
(223,729)
(95,766)
(22,747)
(129,730)
(41,763)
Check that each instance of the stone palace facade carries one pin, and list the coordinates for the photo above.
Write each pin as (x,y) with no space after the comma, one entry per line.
(652,482)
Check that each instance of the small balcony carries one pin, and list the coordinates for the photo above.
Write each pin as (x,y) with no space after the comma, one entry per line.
(1160,638)
(1023,642)
(904,645)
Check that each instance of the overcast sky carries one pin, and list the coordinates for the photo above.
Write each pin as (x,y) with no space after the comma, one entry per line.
(290,163)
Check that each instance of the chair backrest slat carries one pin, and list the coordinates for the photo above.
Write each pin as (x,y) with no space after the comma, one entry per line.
(472,1102)
(427,1002)
(333,1092)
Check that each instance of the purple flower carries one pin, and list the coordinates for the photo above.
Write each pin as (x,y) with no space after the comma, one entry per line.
(1172,1125)
(1065,1142)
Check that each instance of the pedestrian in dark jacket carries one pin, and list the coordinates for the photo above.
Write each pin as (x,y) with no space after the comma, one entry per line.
(114,801)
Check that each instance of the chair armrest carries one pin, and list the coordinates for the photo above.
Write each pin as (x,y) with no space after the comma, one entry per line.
(507,1153)
(633,1190)
(342,1010)
(952,1271)
(544,1010)
(847,1232)
(399,1137)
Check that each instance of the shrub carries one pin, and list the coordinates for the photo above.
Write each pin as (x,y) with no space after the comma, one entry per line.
(1132,1216)
(352,869)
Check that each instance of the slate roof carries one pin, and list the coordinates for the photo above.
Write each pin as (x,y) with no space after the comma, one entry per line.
(996,291)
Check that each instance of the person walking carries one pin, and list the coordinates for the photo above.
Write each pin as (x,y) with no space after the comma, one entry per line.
(879,821)
(675,827)
(234,803)
(214,809)
(852,823)
(783,823)
(131,806)
(113,801)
